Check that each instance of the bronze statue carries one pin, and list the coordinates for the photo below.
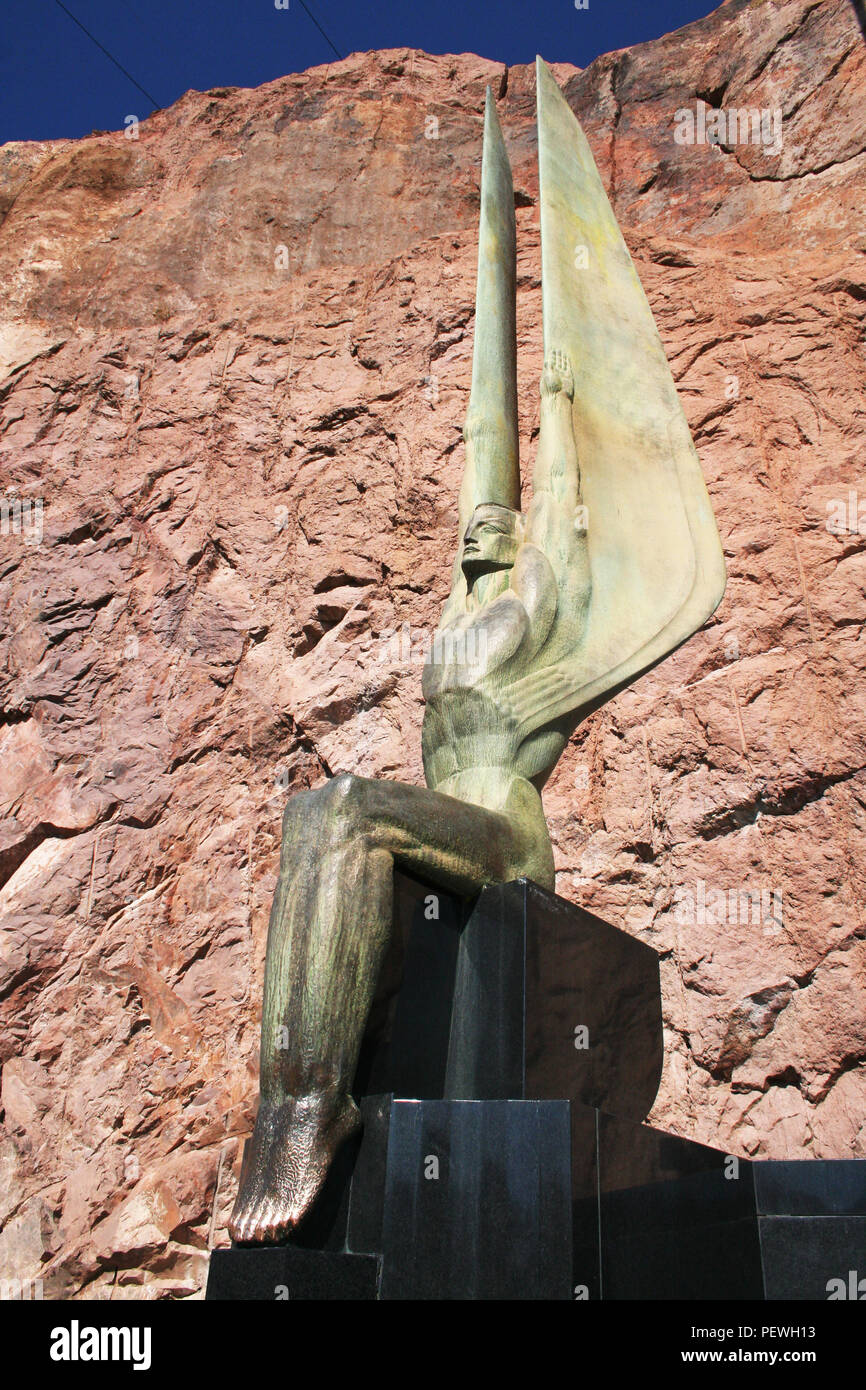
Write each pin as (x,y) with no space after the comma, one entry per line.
(616,562)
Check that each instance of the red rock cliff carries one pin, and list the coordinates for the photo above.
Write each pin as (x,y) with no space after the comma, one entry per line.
(234,367)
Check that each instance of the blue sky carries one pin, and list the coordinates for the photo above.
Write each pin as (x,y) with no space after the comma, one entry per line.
(54,81)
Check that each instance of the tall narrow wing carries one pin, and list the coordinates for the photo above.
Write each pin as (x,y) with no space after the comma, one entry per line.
(655,557)
(493,399)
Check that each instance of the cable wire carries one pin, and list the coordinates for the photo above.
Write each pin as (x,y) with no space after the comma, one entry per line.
(320,29)
(154,103)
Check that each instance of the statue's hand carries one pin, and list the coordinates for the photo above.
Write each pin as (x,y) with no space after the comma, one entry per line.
(557,377)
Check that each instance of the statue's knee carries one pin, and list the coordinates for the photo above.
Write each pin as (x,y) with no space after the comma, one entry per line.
(296,808)
(335,810)
(307,806)
(344,799)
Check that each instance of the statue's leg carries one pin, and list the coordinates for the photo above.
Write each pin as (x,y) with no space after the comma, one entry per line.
(330,924)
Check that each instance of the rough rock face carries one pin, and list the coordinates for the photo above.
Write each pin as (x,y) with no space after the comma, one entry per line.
(234,368)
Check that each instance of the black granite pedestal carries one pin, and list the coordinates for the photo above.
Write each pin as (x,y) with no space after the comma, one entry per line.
(512,1051)
(281,1273)
(486,1024)
(477,1200)
(524,997)
(660,1217)
(445,1199)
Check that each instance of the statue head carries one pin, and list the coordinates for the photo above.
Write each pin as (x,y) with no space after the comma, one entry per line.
(492,539)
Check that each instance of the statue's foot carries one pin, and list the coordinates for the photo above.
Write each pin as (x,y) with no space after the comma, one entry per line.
(292,1148)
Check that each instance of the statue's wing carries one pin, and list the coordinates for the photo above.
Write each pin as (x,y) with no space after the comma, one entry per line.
(493,398)
(655,556)
(492,469)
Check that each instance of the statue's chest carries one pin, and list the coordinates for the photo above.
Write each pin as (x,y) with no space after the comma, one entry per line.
(474,645)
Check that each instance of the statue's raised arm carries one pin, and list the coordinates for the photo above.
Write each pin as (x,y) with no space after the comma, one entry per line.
(655,560)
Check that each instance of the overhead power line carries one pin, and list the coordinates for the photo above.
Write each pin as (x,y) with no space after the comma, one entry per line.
(153,101)
(320,29)
(127,74)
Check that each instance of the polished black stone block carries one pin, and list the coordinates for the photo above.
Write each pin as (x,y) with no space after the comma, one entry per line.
(674,1219)
(658,1181)
(276,1273)
(520,995)
(552,1002)
(811,1187)
(405,1049)
(681,1220)
(367,1194)
(477,1201)
(585,1210)
(583,972)
(814,1257)
(677,1218)
(704,1262)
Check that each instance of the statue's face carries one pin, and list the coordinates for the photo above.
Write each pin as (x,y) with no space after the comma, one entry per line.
(492,539)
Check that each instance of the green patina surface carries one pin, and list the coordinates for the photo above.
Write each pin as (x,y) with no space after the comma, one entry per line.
(616,562)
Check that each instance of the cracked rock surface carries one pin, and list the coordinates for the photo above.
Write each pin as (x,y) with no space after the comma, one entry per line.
(234,364)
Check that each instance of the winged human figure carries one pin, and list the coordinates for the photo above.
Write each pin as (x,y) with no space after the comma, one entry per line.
(615,563)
